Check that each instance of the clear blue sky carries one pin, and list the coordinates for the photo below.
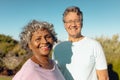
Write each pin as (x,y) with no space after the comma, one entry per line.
(101,17)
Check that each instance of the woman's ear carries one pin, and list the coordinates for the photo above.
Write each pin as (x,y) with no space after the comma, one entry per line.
(30,46)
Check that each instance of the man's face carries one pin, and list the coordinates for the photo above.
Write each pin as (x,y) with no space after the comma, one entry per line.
(73,24)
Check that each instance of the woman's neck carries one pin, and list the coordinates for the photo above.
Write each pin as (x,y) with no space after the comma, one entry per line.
(43,62)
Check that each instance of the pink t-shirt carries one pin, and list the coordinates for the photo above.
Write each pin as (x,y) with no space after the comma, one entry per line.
(32,71)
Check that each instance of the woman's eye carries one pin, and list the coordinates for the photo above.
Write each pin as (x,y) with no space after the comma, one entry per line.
(49,36)
(38,39)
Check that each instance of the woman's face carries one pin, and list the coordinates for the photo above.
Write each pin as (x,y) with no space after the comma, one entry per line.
(41,43)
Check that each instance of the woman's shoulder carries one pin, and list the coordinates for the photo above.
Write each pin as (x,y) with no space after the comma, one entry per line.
(26,70)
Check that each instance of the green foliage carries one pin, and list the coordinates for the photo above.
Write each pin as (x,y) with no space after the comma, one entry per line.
(111,48)
(6,44)
(8,39)
(5,77)
(11,54)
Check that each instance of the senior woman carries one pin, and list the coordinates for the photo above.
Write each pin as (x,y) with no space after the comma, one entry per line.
(38,38)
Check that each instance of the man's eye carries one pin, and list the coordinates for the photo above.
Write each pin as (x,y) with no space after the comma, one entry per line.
(69,21)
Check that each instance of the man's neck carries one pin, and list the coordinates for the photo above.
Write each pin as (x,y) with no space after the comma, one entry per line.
(75,39)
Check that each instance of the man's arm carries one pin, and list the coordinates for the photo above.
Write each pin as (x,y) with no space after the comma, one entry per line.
(102,74)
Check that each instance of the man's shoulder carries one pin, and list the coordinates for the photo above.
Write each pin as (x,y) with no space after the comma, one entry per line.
(91,40)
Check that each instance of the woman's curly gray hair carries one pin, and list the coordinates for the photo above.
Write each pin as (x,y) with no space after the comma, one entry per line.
(34,25)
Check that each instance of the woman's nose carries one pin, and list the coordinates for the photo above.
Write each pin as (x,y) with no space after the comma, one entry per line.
(44,40)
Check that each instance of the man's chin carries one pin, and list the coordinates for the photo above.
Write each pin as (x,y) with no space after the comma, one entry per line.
(73,36)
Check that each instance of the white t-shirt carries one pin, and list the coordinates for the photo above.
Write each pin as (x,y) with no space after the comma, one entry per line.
(80,60)
(32,71)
